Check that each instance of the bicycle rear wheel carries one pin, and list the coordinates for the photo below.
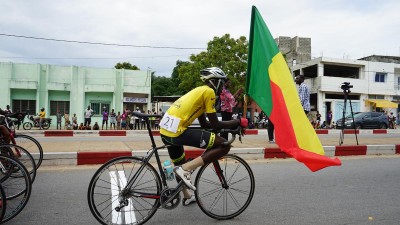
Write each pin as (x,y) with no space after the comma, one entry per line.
(17,189)
(107,191)
(225,202)
(32,145)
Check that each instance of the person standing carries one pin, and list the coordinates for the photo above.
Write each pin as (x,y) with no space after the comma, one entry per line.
(113,119)
(74,122)
(119,121)
(88,116)
(270,128)
(137,119)
(105,119)
(123,120)
(42,115)
(228,101)
(329,119)
(8,110)
(58,117)
(304,93)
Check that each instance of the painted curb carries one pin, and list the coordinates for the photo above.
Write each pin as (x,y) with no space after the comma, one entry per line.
(88,158)
(69,133)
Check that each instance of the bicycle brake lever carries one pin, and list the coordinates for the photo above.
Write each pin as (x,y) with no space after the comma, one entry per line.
(240,139)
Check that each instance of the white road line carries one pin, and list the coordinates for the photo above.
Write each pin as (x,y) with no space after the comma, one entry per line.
(127,214)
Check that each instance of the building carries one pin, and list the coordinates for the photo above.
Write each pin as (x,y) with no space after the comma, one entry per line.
(375,81)
(70,89)
(296,50)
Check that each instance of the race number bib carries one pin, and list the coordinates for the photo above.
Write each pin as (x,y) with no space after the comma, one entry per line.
(170,123)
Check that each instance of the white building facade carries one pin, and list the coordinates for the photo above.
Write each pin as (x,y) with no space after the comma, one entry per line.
(376,84)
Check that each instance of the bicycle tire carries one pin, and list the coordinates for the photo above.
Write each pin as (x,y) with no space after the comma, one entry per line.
(24,157)
(116,173)
(3,203)
(17,189)
(32,145)
(213,199)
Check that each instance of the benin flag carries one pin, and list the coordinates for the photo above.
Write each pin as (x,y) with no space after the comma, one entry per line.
(270,84)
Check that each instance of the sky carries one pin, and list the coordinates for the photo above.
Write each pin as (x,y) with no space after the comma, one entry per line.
(153,35)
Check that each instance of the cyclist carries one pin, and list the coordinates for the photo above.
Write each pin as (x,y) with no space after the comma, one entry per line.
(195,105)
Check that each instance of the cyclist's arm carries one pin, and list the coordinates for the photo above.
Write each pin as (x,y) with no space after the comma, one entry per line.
(218,125)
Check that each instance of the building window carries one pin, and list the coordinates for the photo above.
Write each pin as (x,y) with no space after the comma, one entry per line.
(98,107)
(376,96)
(380,77)
(24,106)
(62,106)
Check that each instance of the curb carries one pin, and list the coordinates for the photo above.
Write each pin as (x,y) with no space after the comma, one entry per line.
(71,133)
(89,158)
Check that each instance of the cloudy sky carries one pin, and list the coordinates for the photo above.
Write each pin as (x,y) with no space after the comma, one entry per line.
(337,28)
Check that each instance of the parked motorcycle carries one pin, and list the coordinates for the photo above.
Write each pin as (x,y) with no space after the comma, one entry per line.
(262,123)
(35,122)
(392,122)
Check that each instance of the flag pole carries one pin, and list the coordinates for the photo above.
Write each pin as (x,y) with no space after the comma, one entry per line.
(244,106)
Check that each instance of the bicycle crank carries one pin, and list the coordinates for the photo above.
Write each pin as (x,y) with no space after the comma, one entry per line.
(170,198)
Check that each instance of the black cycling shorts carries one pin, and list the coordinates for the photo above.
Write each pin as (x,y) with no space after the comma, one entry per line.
(191,137)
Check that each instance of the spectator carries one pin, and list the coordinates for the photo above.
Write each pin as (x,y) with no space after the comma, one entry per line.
(137,119)
(96,126)
(113,119)
(68,125)
(74,122)
(270,128)
(119,121)
(8,110)
(123,121)
(58,116)
(228,102)
(81,127)
(329,118)
(256,116)
(66,118)
(304,93)
(88,116)
(318,122)
(105,119)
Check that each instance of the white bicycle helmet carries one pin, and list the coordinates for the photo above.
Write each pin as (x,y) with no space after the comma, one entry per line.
(214,75)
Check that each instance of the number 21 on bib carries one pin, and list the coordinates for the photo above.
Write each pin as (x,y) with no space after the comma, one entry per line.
(170,123)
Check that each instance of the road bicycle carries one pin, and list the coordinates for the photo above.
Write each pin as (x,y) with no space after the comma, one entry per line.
(27,142)
(129,190)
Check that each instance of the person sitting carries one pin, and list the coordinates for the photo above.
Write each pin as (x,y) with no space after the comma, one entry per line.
(81,127)
(68,125)
(96,126)
(196,104)
(88,127)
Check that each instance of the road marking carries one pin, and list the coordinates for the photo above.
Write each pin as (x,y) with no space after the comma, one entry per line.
(127,214)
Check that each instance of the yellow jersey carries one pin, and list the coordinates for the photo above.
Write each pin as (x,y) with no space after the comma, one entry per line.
(186,109)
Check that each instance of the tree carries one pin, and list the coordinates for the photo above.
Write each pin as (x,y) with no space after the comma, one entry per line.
(224,52)
(126,65)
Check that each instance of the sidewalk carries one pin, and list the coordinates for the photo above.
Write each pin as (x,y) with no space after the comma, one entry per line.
(88,146)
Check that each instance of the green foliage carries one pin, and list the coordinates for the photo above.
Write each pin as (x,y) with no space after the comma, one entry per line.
(224,52)
(126,65)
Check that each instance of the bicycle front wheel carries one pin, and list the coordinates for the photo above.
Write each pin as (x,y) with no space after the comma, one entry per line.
(221,201)
(111,202)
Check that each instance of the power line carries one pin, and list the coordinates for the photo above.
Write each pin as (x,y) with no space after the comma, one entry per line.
(98,43)
(90,58)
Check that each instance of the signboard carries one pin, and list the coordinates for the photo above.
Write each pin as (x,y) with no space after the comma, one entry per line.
(135,100)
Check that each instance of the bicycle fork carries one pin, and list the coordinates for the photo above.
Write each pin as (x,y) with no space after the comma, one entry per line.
(220,174)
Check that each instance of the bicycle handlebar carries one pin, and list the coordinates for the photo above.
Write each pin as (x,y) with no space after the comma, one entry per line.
(234,132)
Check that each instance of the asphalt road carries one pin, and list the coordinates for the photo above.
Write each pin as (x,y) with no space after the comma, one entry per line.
(364,190)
